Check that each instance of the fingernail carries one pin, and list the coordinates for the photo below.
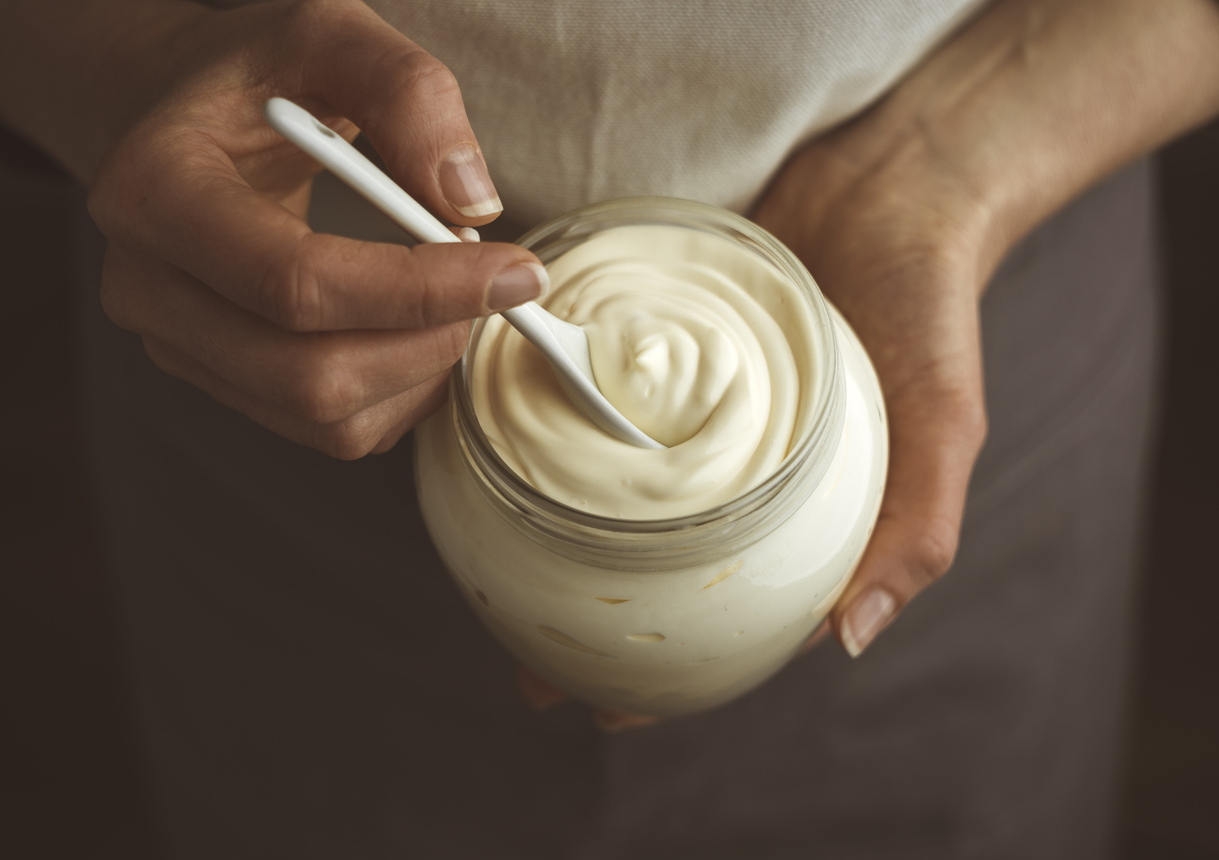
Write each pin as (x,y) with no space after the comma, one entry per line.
(468,234)
(466,183)
(516,285)
(865,617)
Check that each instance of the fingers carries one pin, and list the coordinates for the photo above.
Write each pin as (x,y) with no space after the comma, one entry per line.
(344,393)
(187,205)
(177,186)
(934,440)
(542,695)
(404,99)
(322,378)
(373,430)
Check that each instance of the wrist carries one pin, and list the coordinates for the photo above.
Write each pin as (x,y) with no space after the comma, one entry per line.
(908,200)
(1036,100)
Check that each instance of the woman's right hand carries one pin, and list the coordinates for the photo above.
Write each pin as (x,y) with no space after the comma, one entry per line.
(337,344)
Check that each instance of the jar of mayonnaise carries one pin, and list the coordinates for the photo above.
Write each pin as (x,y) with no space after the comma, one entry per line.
(660,582)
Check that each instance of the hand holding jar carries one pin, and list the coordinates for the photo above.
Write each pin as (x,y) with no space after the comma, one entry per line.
(903,214)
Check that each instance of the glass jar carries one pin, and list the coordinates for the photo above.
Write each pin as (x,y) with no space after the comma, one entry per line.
(671,616)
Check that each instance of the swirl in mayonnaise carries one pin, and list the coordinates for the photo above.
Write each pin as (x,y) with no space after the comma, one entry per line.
(699,342)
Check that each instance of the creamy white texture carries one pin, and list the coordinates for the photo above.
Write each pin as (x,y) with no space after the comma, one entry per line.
(701,343)
(672,641)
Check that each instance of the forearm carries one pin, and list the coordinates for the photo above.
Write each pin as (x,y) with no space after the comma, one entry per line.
(1037,99)
(74,74)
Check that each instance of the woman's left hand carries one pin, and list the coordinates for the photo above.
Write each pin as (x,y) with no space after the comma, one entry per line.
(905,261)
(905,269)
(903,213)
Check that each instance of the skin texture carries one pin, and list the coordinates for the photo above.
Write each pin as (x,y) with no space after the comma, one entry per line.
(920,198)
(902,215)
(337,344)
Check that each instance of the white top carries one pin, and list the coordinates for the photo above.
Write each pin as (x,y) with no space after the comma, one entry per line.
(578,102)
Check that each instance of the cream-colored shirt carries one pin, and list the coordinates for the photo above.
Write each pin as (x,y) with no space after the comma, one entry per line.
(576,102)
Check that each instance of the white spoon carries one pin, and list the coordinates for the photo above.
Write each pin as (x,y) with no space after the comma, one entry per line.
(564,345)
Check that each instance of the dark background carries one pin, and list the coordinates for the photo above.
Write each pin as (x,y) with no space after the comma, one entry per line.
(70,784)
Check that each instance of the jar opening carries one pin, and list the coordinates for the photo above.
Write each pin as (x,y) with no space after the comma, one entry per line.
(658,544)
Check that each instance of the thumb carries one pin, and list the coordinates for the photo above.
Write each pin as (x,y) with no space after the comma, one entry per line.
(934,441)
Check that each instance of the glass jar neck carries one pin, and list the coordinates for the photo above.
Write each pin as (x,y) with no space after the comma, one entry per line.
(667,544)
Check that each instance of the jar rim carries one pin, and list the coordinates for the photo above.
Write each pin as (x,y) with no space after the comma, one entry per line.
(539,514)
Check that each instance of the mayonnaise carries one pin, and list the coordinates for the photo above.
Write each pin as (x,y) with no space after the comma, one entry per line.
(698,342)
(712,337)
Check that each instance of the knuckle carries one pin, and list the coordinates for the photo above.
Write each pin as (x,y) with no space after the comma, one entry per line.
(324,390)
(351,439)
(424,302)
(443,285)
(422,78)
(933,552)
(291,290)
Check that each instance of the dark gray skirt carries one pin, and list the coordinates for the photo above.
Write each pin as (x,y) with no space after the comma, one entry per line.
(309,683)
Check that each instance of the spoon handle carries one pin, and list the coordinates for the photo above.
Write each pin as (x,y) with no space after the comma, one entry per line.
(345,161)
(564,345)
